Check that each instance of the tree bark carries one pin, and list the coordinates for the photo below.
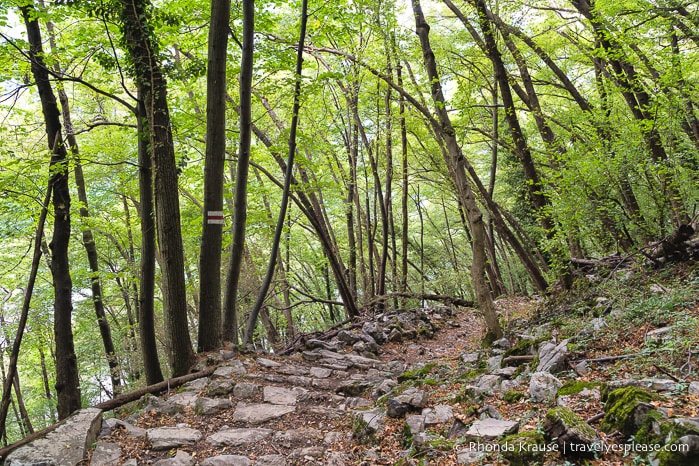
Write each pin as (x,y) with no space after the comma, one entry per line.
(212,230)
(262,295)
(230,321)
(457,169)
(67,383)
(146,295)
(141,46)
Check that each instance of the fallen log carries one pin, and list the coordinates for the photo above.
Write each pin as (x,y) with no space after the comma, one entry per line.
(446,299)
(113,404)
(30,438)
(155,388)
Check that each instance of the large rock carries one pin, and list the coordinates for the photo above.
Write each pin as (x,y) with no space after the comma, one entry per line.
(106,454)
(65,446)
(413,397)
(367,424)
(210,406)
(552,356)
(165,438)
(572,434)
(271,460)
(245,390)
(280,396)
(236,437)
(259,413)
(626,410)
(543,387)
(489,429)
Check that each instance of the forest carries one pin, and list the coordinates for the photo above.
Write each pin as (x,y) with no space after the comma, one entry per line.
(179,175)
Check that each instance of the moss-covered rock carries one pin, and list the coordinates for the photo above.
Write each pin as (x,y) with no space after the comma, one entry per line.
(419,373)
(524,449)
(572,387)
(682,443)
(513,396)
(626,410)
(573,435)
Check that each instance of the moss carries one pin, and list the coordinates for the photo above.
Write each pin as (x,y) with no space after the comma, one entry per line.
(672,431)
(571,387)
(439,443)
(512,396)
(525,347)
(523,449)
(472,374)
(650,431)
(417,373)
(621,409)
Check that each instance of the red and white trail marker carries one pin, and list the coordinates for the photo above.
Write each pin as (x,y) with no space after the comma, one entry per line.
(214,217)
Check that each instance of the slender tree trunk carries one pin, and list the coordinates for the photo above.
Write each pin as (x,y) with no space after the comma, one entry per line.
(241,177)
(212,232)
(457,169)
(146,296)
(262,295)
(67,383)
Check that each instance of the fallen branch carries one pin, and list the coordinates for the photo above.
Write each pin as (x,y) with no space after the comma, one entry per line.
(609,358)
(667,372)
(30,438)
(453,300)
(594,418)
(526,357)
(112,404)
(155,388)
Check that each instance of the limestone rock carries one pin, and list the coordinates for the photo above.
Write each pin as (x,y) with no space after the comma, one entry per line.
(245,390)
(259,413)
(236,437)
(413,397)
(552,356)
(210,406)
(268,363)
(271,460)
(626,409)
(180,459)
(470,457)
(489,429)
(543,387)
(65,446)
(279,396)
(416,423)
(164,438)
(572,434)
(438,415)
(226,460)
(487,384)
(106,454)
(320,372)
(693,388)
(220,387)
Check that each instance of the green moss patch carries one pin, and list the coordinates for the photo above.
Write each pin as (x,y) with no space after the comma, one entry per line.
(512,396)
(572,387)
(524,449)
(626,409)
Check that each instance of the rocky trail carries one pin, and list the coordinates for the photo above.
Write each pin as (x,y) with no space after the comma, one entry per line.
(403,388)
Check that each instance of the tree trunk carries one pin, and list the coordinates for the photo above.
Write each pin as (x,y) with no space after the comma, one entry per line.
(67,383)
(151,81)
(262,295)
(146,296)
(455,162)
(212,232)
(242,169)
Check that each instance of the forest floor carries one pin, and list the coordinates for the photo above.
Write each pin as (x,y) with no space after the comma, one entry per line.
(636,324)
